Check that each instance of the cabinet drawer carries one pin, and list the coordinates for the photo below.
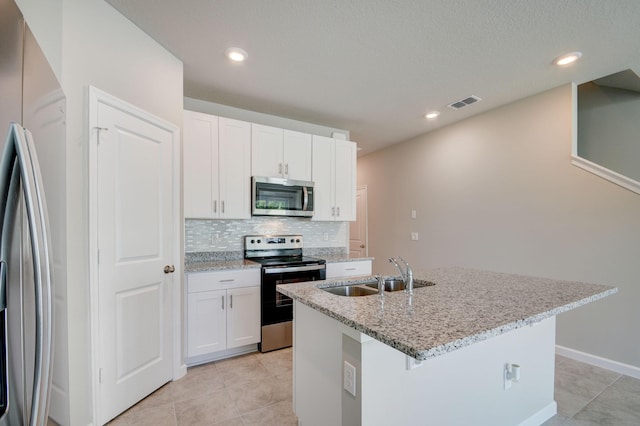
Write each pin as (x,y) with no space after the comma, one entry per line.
(348,269)
(218,280)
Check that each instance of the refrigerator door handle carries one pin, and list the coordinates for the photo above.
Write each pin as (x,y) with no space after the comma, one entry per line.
(20,163)
(3,285)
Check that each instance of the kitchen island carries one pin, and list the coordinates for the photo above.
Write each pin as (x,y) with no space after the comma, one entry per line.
(438,357)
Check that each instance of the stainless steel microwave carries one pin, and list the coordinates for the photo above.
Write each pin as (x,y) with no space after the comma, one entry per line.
(281,197)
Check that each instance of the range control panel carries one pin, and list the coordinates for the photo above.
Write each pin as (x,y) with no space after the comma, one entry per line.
(271,242)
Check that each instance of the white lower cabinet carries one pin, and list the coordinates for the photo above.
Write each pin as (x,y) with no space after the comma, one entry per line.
(223,311)
(348,269)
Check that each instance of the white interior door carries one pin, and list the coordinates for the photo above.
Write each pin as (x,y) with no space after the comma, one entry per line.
(358,245)
(135,242)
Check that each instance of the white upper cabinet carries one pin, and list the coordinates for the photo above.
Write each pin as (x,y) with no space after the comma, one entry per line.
(217,167)
(297,155)
(200,140)
(280,153)
(334,175)
(266,151)
(234,166)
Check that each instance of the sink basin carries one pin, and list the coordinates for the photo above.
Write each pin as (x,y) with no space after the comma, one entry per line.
(350,290)
(394,284)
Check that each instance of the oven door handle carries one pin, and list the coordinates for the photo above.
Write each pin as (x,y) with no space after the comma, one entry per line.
(294,269)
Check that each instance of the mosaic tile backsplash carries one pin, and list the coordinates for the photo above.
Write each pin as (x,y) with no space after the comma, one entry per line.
(226,235)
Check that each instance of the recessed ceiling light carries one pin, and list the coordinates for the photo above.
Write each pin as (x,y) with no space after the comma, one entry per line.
(236,54)
(567,59)
(431,115)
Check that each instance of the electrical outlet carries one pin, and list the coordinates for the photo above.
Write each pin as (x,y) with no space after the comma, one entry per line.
(350,378)
(414,236)
(325,236)
(413,214)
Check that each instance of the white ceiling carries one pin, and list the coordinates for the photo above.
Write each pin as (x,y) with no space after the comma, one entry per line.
(375,67)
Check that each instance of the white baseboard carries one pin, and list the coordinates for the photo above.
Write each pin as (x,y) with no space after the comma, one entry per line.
(541,416)
(216,356)
(618,367)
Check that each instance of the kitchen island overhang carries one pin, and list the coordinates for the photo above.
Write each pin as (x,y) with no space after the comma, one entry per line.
(467,328)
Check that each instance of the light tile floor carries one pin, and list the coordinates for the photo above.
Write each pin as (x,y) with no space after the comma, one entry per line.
(589,396)
(253,389)
(256,389)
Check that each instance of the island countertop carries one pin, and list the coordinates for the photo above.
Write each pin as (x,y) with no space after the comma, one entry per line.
(464,306)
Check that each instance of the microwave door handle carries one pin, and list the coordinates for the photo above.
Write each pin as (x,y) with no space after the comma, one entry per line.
(305,201)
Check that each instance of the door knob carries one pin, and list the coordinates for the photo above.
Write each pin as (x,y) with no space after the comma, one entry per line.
(169,269)
(361,245)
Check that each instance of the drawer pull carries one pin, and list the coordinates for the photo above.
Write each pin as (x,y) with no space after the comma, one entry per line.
(222,302)
(229,280)
(350,269)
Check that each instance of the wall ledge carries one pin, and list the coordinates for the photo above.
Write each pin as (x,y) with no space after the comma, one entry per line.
(608,174)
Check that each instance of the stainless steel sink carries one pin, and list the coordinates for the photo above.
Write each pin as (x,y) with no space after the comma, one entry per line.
(350,290)
(394,284)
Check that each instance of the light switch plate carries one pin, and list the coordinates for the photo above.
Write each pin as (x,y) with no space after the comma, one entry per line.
(414,236)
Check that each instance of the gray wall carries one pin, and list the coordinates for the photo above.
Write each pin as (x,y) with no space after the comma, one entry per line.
(609,128)
(104,49)
(498,192)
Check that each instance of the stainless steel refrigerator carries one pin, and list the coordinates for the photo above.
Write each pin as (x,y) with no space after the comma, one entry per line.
(27,89)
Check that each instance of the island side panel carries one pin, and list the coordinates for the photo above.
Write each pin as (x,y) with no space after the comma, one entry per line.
(317,355)
(464,386)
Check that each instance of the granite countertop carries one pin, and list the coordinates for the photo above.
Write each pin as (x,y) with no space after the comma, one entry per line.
(217,265)
(212,261)
(464,306)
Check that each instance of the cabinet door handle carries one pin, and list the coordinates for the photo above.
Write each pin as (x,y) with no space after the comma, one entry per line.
(280,168)
(338,208)
(215,206)
(333,211)
(222,207)
(231,301)
(222,302)
(286,169)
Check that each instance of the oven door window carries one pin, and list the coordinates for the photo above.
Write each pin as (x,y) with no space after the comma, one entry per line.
(276,307)
(281,299)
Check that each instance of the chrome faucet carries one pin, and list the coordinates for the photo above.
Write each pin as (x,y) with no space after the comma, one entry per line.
(407,274)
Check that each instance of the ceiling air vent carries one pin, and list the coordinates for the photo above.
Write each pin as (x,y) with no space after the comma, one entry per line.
(464,102)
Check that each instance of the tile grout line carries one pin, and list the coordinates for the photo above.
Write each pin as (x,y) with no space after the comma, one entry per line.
(595,397)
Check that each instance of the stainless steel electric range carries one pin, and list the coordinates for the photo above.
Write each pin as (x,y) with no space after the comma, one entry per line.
(282,263)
